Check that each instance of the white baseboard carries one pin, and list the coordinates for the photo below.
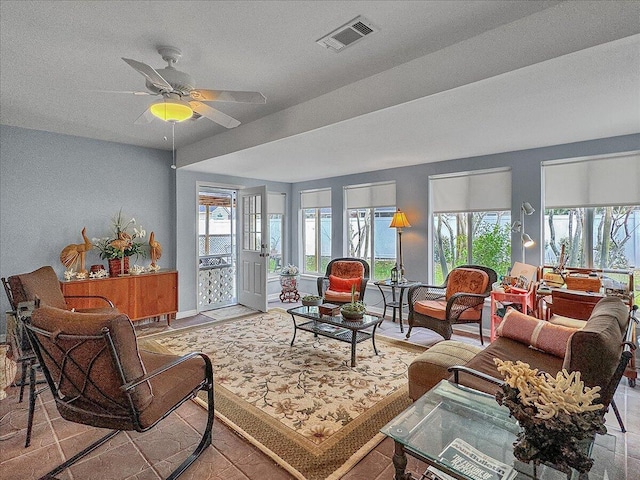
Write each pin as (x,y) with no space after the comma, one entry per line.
(188,313)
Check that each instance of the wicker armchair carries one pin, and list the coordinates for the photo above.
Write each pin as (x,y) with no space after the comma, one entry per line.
(335,286)
(459,300)
(98,376)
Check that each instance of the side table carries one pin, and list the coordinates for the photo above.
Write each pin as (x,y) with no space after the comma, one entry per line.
(289,284)
(396,302)
(525,300)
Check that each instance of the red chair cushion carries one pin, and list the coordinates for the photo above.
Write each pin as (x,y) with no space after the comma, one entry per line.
(338,284)
(332,296)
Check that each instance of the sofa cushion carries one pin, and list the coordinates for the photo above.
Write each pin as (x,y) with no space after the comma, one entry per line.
(507,349)
(44,284)
(595,350)
(534,332)
(438,309)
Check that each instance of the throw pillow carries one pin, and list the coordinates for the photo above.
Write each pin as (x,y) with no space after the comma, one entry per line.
(534,332)
(338,284)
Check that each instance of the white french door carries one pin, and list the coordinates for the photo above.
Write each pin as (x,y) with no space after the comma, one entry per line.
(253,247)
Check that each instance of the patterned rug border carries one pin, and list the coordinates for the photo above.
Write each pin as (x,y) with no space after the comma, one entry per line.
(255,420)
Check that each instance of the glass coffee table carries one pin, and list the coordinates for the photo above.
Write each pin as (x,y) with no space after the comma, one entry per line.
(338,328)
(466,435)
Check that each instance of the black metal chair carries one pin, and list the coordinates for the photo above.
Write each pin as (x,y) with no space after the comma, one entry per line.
(99,378)
(458,300)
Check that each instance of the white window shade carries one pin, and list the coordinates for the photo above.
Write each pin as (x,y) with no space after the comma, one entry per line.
(603,182)
(276,203)
(373,195)
(315,198)
(471,192)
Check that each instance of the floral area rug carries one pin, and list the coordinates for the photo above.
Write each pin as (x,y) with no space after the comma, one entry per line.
(304,406)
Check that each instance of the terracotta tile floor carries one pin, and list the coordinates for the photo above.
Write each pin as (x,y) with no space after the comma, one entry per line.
(154,454)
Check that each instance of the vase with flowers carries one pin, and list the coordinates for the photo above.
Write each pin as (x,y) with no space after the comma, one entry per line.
(121,244)
(289,283)
(558,415)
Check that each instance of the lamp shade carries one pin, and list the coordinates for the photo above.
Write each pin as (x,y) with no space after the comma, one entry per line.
(527,241)
(399,220)
(171,110)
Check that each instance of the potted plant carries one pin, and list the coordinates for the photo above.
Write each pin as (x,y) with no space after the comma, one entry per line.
(121,244)
(354,310)
(312,300)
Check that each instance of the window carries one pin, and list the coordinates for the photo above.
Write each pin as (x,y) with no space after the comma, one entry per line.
(592,208)
(370,209)
(316,230)
(471,221)
(276,206)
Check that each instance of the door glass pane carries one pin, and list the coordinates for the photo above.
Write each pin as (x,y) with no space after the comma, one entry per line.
(252,237)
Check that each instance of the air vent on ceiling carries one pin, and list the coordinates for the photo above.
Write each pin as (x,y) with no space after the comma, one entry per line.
(347,34)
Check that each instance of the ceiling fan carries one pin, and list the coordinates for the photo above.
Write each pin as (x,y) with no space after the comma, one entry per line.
(180,98)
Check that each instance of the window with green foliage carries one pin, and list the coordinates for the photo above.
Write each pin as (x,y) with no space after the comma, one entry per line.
(479,238)
(371,239)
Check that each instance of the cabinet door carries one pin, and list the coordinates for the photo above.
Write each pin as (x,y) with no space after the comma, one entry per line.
(155,294)
(115,289)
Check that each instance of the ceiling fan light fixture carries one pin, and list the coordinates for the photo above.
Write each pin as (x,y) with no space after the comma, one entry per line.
(171,110)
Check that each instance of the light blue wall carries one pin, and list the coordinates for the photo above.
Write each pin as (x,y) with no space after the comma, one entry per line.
(51,186)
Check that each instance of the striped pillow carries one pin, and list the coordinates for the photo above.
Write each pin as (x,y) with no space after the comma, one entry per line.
(536,333)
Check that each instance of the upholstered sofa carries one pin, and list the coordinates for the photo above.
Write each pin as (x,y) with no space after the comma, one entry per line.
(594,350)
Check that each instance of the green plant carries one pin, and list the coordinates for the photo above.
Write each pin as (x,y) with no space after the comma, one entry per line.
(355,307)
(121,231)
(311,298)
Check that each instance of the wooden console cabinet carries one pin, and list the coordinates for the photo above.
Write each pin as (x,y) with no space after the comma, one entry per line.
(148,295)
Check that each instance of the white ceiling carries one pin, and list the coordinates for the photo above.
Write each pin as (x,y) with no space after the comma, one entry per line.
(440,80)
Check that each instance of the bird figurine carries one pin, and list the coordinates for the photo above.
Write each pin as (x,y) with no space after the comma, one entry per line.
(76,252)
(155,251)
(121,243)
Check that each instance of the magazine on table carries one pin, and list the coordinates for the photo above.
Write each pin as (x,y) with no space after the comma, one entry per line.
(324,327)
(470,461)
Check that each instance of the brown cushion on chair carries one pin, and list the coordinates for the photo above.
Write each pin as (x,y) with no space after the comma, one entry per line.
(106,381)
(44,284)
(171,386)
(599,343)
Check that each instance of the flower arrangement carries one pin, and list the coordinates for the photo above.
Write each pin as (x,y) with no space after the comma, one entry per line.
(289,270)
(558,415)
(122,241)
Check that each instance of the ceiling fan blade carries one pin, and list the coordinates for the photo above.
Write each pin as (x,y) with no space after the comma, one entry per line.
(124,91)
(215,115)
(150,74)
(145,118)
(227,96)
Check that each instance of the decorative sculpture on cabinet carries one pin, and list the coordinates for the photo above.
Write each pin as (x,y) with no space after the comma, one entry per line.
(155,252)
(75,252)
